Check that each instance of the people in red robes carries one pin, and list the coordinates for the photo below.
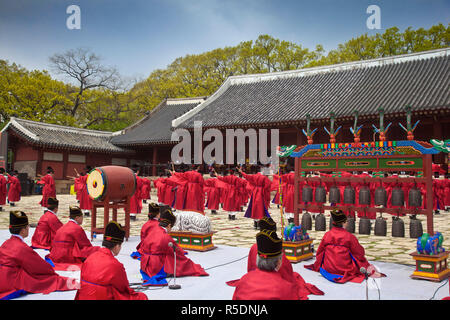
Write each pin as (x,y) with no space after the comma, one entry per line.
(190,195)
(286,271)
(265,282)
(340,257)
(158,250)
(22,270)
(71,246)
(49,189)
(258,205)
(136,199)
(3,188)
(212,190)
(103,277)
(230,185)
(14,188)
(85,202)
(47,226)
(146,189)
(147,228)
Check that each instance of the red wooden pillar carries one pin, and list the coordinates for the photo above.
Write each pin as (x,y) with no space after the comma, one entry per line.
(65,162)
(300,142)
(428,174)
(154,160)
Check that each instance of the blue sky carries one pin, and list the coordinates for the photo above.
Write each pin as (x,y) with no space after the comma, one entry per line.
(139,36)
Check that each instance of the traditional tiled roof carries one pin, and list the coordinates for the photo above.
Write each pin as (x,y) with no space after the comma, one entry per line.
(421,80)
(155,128)
(63,137)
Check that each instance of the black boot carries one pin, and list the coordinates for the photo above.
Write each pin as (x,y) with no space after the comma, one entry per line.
(233,217)
(213,212)
(255,224)
(229,217)
(87,214)
(290,220)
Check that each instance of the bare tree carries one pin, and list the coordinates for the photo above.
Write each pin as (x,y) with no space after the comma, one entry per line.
(86,69)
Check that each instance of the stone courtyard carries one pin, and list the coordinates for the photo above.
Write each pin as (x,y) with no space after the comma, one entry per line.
(241,233)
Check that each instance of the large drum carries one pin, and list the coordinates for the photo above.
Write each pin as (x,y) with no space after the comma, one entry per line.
(114,182)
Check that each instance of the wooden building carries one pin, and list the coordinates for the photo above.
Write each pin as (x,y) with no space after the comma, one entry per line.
(280,100)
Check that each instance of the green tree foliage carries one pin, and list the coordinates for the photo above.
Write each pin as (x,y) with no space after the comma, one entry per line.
(95,97)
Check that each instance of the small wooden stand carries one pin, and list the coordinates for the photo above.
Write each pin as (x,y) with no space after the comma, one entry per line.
(431,267)
(296,251)
(106,205)
(193,241)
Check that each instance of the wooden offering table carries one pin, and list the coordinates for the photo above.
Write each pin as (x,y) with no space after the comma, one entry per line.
(296,251)
(193,241)
(431,267)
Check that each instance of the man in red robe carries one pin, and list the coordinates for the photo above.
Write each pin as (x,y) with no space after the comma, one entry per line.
(22,270)
(286,271)
(3,188)
(103,277)
(85,202)
(265,282)
(260,198)
(146,188)
(157,260)
(47,226)
(70,246)
(340,257)
(49,189)
(136,199)
(14,188)
(147,228)
(212,193)
(230,185)
(193,196)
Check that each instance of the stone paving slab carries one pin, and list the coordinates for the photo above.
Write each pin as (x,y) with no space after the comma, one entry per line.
(240,232)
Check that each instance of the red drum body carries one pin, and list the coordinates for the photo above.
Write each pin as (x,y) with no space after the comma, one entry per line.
(113,182)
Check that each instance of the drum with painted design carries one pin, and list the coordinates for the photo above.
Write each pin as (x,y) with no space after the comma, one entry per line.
(114,182)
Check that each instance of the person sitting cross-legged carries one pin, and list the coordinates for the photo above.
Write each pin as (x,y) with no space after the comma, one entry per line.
(22,270)
(286,271)
(47,226)
(103,277)
(157,260)
(71,246)
(340,257)
(265,282)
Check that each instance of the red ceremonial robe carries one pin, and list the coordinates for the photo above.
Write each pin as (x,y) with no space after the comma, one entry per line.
(136,200)
(447,192)
(333,256)
(230,189)
(14,189)
(264,285)
(45,231)
(103,277)
(286,272)
(49,189)
(212,193)
(260,197)
(21,268)
(85,200)
(146,230)
(194,195)
(146,188)
(157,254)
(70,246)
(3,190)
(176,191)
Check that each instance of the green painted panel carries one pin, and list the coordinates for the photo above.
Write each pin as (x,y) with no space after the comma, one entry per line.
(401,163)
(425,266)
(357,163)
(318,164)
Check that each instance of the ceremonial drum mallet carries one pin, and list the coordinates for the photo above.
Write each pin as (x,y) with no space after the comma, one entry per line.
(174,285)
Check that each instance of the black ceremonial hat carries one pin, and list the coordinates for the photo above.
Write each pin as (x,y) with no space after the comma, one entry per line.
(75,211)
(114,232)
(17,219)
(153,207)
(52,201)
(269,245)
(338,216)
(167,216)
(267,223)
